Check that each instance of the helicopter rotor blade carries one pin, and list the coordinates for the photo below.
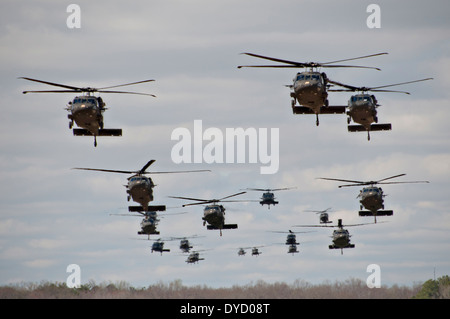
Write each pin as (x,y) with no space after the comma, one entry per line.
(189,198)
(385,86)
(411,182)
(104,170)
(125,92)
(232,196)
(60,91)
(52,83)
(115,86)
(174,172)
(391,177)
(341,180)
(146,166)
(357,58)
(293,63)
(349,66)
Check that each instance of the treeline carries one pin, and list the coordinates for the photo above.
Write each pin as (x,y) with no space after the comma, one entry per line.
(348,289)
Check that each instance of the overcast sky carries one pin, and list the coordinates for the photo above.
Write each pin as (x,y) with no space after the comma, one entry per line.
(52,216)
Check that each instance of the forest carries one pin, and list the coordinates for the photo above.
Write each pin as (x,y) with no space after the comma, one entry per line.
(348,289)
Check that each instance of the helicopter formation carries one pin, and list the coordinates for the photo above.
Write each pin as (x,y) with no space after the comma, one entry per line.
(309,93)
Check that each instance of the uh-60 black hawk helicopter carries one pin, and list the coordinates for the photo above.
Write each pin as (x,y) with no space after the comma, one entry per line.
(310,87)
(213,213)
(140,187)
(340,236)
(372,197)
(362,108)
(268,197)
(87,110)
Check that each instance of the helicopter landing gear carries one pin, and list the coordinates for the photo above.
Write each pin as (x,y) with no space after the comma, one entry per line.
(317,119)
(348,120)
(95,141)
(368,135)
(70,125)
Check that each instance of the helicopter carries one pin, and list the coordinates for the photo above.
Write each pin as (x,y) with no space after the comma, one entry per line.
(310,88)
(292,249)
(194,257)
(213,214)
(362,108)
(291,238)
(372,197)
(323,217)
(268,197)
(140,187)
(340,237)
(158,246)
(255,250)
(185,245)
(87,110)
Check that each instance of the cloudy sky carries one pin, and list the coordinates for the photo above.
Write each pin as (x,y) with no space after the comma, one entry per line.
(52,216)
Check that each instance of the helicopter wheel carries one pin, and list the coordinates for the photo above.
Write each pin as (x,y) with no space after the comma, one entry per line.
(368,135)
(317,119)
(70,124)
(95,141)
(348,120)
(293,103)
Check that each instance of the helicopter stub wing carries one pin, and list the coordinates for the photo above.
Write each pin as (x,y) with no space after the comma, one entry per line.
(157,208)
(323,110)
(373,127)
(378,213)
(226,226)
(101,132)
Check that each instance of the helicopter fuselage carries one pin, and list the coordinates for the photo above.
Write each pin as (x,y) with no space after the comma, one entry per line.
(86,112)
(159,247)
(185,246)
(140,188)
(214,215)
(309,89)
(341,238)
(148,225)
(362,109)
(194,257)
(291,239)
(372,198)
(268,198)
(292,249)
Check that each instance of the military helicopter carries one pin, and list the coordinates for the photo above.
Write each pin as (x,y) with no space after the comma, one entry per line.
(268,197)
(140,187)
(362,108)
(323,217)
(340,237)
(148,223)
(372,197)
(213,214)
(194,257)
(291,238)
(185,245)
(255,250)
(87,110)
(292,249)
(310,88)
(158,246)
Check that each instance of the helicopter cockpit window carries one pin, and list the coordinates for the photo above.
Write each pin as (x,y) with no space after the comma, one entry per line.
(315,77)
(300,77)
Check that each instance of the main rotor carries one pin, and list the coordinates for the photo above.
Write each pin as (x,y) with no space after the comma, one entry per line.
(88,90)
(311,65)
(371,183)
